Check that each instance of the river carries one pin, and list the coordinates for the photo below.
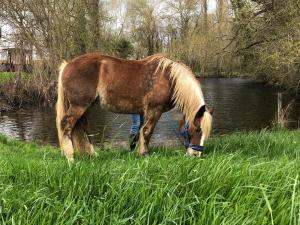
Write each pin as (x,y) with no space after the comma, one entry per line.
(240,105)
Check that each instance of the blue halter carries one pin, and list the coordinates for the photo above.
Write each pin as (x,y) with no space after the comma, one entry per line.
(187,143)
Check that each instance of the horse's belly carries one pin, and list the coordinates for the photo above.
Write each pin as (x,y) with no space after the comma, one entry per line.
(120,107)
(120,104)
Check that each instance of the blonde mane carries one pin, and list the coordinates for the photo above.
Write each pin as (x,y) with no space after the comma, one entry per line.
(187,92)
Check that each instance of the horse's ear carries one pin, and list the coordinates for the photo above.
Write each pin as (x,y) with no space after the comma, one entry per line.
(201,111)
(199,115)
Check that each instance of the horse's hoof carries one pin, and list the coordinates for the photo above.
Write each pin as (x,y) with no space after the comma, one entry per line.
(144,154)
(194,153)
(70,160)
(91,151)
(94,155)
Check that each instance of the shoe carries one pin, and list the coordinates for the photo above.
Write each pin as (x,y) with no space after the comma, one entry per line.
(133,139)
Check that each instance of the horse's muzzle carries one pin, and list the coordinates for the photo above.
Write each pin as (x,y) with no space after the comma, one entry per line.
(193,152)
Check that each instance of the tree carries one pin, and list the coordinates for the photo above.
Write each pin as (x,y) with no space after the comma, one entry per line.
(123,48)
(144,27)
(267,38)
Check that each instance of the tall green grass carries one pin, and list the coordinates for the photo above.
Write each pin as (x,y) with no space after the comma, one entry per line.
(247,178)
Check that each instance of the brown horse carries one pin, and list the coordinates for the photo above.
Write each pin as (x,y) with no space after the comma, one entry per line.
(148,86)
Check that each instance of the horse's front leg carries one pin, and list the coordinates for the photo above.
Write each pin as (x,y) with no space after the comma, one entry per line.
(150,120)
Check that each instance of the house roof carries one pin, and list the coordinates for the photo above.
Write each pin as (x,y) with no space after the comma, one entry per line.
(22,49)
(8,48)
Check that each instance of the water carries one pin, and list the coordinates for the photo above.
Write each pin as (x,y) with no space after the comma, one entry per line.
(239,105)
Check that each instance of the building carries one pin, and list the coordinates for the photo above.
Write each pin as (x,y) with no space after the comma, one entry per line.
(16,60)
(12,58)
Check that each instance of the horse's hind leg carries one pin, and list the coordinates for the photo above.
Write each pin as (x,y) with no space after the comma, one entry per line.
(150,120)
(80,138)
(68,123)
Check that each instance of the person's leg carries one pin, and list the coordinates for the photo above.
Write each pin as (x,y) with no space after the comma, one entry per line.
(141,121)
(136,123)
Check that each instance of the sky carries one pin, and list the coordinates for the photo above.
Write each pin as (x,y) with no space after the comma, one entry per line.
(212,5)
(6,30)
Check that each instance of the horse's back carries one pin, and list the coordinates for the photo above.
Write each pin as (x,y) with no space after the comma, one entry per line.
(122,85)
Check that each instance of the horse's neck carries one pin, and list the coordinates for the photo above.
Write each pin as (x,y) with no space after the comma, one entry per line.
(190,100)
(200,99)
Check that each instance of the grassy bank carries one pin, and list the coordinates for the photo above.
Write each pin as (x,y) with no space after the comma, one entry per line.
(18,91)
(248,178)
(10,76)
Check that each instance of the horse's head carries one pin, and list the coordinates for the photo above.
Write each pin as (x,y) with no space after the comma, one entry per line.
(196,133)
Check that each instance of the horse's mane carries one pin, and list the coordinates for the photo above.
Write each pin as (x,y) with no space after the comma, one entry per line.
(187,90)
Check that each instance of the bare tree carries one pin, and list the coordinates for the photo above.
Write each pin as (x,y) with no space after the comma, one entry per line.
(144,27)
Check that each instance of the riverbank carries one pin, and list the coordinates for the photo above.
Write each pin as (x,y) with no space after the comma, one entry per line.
(228,74)
(18,91)
(245,178)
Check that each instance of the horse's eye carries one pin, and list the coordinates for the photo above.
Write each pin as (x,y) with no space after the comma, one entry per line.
(197,130)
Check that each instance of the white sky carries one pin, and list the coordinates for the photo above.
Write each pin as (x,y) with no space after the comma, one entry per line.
(6,31)
(212,5)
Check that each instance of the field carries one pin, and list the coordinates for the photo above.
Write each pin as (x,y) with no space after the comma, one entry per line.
(246,178)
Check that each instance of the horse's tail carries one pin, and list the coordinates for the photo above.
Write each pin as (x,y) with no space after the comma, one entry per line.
(61,105)
(80,140)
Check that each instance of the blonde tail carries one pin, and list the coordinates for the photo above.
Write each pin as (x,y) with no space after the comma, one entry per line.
(60,104)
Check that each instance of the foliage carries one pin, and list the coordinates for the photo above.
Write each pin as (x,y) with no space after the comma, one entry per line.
(38,88)
(267,39)
(64,29)
(123,48)
(246,178)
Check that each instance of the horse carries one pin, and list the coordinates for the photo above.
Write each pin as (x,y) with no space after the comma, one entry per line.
(149,86)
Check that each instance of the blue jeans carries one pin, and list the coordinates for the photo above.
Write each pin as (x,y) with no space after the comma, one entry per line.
(137,121)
